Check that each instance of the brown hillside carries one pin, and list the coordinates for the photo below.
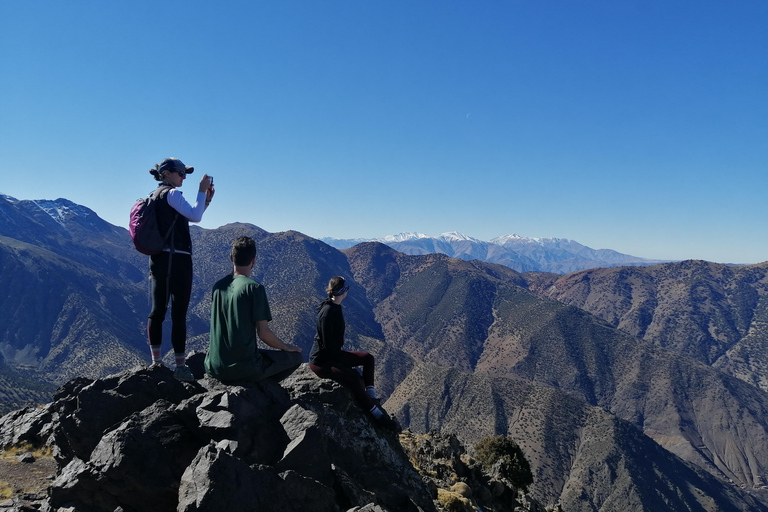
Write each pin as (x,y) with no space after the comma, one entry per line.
(715,313)
(469,316)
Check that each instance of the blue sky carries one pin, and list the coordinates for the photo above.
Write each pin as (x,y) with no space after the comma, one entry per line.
(639,126)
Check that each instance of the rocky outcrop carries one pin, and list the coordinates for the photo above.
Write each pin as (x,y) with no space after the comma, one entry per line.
(460,483)
(140,440)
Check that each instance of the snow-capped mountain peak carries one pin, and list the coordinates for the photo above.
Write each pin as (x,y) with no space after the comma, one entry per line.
(61,210)
(500,240)
(455,236)
(521,253)
(401,237)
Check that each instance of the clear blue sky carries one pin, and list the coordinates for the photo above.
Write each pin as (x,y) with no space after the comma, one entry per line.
(639,126)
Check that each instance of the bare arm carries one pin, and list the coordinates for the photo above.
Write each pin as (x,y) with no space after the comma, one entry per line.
(267,336)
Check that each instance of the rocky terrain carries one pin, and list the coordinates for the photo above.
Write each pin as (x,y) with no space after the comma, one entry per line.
(140,440)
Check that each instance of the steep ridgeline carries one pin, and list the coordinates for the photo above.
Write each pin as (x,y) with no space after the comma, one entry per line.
(717,314)
(558,255)
(471,316)
(74,232)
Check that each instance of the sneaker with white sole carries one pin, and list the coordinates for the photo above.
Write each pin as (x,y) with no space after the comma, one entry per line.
(183,373)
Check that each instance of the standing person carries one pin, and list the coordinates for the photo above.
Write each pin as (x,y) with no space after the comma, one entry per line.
(329,361)
(240,316)
(171,270)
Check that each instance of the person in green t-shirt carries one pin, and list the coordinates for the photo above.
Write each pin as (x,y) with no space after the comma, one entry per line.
(240,316)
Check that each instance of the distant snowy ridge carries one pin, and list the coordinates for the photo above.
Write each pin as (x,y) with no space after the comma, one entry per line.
(506,239)
(450,236)
(557,255)
(402,237)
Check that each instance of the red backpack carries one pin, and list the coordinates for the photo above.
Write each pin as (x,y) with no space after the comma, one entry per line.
(143,226)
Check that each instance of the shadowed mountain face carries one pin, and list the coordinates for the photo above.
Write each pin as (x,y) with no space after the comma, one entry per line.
(62,316)
(714,313)
(458,345)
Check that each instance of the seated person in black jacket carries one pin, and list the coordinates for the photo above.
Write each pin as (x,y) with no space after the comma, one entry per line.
(329,361)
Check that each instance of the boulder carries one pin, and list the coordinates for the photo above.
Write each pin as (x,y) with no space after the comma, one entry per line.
(30,425)
(307,452)
(139,462)
(87,409)
(141,440)
(217,480)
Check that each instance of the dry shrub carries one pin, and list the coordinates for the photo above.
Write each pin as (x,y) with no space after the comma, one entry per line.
(502,456)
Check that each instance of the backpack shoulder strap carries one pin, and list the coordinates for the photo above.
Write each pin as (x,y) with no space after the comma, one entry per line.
(158,193)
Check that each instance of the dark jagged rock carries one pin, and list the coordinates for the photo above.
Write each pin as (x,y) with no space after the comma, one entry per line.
(217,480)
(26,426)
(139,462)
(140,440)
(87,408)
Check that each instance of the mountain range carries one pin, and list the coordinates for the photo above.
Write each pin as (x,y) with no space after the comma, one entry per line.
(633,388)
(558,255)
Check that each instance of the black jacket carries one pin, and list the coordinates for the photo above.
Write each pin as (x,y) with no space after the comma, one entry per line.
(329,338)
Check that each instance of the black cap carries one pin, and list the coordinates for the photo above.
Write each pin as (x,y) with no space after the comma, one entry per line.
(174,164)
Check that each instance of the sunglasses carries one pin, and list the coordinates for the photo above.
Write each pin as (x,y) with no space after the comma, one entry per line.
(183,174)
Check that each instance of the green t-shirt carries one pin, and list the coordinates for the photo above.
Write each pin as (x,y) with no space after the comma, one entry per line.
(237,303)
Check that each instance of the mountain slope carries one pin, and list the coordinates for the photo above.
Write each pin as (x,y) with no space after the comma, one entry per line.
(74,231)
(473,317)
(717,314)
(582,457)
(19,389)
(63,317)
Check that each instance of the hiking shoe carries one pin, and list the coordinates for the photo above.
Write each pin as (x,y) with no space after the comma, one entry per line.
(156,365)
(183,373)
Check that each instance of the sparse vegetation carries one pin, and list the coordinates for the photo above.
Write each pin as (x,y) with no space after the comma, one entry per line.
(502,455)
(29,477)
(453,502)
(19,388)
(6,491)
(37,452)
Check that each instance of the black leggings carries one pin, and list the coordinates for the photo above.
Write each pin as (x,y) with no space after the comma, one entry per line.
(344,373)
(179,289)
